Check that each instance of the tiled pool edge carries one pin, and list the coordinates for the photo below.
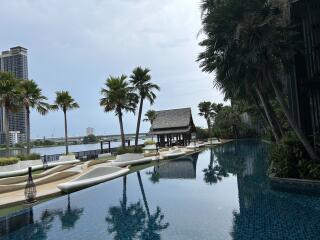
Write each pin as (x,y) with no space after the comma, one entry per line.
(304,186)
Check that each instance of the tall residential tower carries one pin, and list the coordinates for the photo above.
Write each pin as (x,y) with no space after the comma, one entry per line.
(14,61)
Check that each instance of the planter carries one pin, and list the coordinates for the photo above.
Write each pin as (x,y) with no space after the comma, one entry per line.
(104,155)
(303,186)
(65,158)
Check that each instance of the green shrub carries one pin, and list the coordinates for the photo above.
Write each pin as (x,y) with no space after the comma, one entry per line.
(122,150)
(8,161)
(149,142)
(201,133)
(32,156)
(289,159)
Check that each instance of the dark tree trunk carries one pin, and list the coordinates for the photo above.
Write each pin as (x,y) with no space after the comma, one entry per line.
(138,122)
(66,131)
(123,141)
(262,100)
(301,136)
(28,129)
(261,110)
(275,120)
(209,128)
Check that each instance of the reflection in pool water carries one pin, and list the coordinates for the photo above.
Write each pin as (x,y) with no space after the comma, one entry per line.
(134,220)
(221,193)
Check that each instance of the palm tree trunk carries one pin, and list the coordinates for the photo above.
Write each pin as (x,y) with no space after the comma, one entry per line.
(275,119)
(261,110)
(28,129)
(66,131)
(123,142)
(301,136)
(6,128)
(138,122)
(143,194)
(262,100)
(209,128)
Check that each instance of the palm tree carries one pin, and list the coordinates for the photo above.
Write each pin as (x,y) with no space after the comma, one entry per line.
(32,98)
(9,99)
(205,110)
(140,79)
(65,102)
(150,116)
(118,96)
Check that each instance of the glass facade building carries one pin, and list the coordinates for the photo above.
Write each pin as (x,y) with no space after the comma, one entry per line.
(14,61)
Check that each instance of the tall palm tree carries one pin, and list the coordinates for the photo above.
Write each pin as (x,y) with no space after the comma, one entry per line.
(9,100)
(65,102)
(32,98)
(117,96)
(141,80)
(206,111)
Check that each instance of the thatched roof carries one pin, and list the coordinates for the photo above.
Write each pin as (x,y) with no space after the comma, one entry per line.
(173,121)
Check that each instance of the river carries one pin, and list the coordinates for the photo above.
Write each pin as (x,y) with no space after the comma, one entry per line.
(62,149)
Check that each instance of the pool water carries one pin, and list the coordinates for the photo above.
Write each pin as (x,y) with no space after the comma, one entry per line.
(220,193)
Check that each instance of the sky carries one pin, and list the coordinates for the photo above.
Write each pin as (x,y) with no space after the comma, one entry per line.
(75,45)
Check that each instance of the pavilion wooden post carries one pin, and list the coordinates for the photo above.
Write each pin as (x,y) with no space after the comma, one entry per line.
(109,146)
(101,147)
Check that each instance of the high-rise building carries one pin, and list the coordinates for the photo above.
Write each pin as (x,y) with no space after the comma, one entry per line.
(90,131)
(14,61)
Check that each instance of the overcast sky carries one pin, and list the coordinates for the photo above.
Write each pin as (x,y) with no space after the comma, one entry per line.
(75,45)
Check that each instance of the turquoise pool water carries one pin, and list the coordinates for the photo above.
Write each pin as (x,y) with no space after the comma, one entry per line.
(221,193)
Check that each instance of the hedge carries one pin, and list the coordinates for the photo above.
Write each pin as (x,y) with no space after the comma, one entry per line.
(32,156)
(8,161)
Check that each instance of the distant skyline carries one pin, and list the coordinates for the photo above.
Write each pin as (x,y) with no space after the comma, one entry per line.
(75,45)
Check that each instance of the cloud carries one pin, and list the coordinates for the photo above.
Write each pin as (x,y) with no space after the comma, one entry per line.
(75,45)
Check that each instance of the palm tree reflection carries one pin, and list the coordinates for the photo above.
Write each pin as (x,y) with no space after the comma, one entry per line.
(154,226)
(126,221)
(70,216)
(214,173)
(154,222)
(133,221)
(154,175)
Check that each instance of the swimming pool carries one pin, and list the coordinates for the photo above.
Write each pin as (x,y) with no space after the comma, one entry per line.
(221,193)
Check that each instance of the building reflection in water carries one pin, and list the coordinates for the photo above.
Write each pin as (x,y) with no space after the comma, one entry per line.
(23,225)
(181,168)
(134,220)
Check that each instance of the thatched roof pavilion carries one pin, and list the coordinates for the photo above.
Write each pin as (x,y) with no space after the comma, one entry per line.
(173,127)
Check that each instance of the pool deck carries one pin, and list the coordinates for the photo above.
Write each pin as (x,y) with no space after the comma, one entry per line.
(49,190)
